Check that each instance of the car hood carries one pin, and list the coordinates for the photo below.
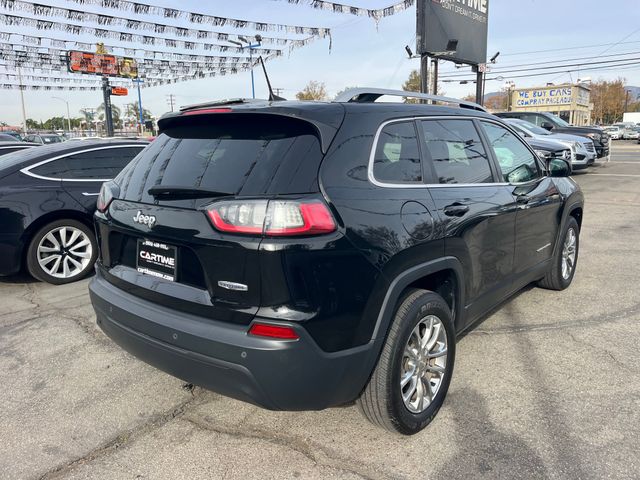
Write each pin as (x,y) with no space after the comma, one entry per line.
(567,137)
(548,145)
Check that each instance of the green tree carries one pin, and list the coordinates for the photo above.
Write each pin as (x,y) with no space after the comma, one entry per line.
(56,123)
(115,114)
(33,124)
(313,91)
(413,84)
(133,111)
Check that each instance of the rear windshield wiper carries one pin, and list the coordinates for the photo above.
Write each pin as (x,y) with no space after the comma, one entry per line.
(173,191)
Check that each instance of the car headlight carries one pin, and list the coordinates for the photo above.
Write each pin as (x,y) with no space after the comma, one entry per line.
(543,154)
(576,146)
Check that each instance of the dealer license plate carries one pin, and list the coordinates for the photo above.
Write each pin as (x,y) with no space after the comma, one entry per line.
(157,259)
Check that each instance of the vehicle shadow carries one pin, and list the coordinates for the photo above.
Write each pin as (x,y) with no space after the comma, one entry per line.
(18,278)
(485,451)
(554,428)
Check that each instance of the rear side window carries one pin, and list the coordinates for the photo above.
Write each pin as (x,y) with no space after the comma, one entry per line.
(235,154)
(397,157)
(92,165)
(456,152)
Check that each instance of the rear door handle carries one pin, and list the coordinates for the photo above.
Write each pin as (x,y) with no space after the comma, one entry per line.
(456,210)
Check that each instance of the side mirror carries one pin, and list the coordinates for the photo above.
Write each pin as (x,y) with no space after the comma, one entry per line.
(558,168)
(547,126)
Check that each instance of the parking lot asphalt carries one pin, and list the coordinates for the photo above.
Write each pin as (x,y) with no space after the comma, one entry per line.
(548,386)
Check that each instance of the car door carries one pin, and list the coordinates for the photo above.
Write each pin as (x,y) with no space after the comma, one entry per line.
(476,210)
(89,169)
(536,195)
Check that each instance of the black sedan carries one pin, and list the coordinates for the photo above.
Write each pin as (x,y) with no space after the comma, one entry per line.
(10,147)
(47,198)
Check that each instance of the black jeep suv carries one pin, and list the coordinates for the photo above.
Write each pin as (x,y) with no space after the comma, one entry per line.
(303,255)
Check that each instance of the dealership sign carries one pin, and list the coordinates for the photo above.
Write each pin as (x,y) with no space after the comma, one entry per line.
(453,29)
(544,97)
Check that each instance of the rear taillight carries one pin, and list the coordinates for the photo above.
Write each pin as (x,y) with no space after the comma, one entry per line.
(108,192)
(276,218)
(273,331)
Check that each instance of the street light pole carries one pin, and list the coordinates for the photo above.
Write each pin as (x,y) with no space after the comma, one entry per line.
(68,116)
(24,112)
(250,46)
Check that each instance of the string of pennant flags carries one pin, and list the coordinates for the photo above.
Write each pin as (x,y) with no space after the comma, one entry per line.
(165,52)
(101,34)
(144,9)
(376,13)
(58,57)
(36,44)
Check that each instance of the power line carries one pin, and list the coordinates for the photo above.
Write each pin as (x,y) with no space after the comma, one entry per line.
(605,62)
(506,68)
(568,48)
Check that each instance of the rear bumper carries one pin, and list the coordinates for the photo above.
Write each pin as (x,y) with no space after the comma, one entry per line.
(274,374)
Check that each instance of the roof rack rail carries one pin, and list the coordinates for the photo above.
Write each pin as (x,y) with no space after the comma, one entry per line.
(218,103)
(369,95)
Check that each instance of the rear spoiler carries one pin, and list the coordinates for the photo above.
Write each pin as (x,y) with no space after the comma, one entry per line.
(325,132)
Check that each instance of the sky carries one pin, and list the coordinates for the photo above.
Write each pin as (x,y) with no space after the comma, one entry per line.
(364,53)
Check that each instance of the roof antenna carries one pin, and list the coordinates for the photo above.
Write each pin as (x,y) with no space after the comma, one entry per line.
(272,96)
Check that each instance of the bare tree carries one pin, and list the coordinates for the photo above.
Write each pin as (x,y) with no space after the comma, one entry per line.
(313,91)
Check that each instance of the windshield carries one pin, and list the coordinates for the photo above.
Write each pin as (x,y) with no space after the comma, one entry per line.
(558,120)
(530,127)
(51,139)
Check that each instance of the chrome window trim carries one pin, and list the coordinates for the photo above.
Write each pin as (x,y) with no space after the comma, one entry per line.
(19,147)
(27,170)
(376,138)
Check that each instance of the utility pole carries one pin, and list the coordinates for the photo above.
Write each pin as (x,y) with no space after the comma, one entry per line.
(626,100)
(138,81)
(434,74)
(24,112)
(171,99)
(277,90)
(250,46)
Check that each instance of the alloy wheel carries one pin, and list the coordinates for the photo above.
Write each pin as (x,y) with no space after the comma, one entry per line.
(569,253)
(424,364)
(64,252)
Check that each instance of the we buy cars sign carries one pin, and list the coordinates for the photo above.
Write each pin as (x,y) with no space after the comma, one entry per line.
(453,29)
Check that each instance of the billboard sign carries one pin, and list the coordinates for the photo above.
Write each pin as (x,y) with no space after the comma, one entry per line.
(453,29)
(101,64)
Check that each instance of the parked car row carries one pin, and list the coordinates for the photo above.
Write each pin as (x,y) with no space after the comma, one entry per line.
(623,131)
(555,124)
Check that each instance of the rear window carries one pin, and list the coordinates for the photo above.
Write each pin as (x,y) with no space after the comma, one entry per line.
(241,154)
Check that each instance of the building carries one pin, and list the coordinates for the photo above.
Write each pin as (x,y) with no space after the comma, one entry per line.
(570,102)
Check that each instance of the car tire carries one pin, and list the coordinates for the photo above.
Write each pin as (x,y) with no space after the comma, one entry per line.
(557,278)
(387,403)
(62,251)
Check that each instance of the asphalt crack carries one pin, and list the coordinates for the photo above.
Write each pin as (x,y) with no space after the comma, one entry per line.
(316,453)
(125,438)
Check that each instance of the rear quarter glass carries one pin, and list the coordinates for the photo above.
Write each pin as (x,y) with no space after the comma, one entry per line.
(226,153)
